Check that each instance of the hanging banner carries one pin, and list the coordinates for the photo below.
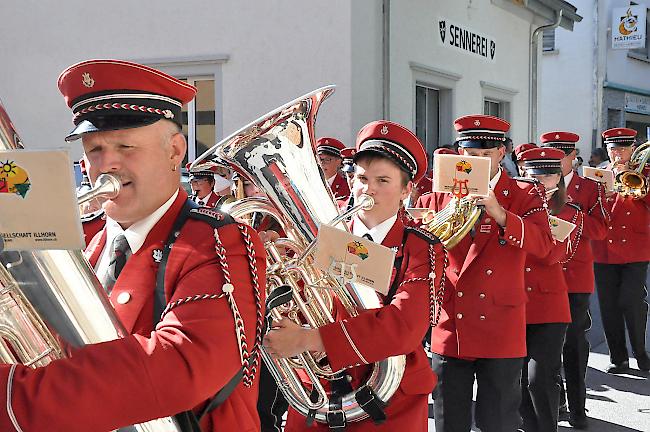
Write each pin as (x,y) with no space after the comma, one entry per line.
(628,27)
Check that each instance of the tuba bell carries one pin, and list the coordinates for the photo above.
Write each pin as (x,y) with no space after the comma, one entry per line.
(276,152)
(632,183)
(51,300)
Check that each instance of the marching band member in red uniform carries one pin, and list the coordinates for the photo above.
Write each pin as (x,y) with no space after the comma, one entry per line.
(621,263)
(482,330)
(202,181)
(547,310)
(128,117)
(389,160)
(328,151)
(518,151)
(579,272)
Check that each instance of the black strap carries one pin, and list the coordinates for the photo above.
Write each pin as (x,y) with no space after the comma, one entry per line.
(187,420)
(397,265)
(340,386)
(371,404)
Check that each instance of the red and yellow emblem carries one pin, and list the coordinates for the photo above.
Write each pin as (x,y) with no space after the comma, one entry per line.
(464,166)
(13,179)
(358,249)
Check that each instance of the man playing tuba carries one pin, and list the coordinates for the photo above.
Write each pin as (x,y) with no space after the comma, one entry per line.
(193,311)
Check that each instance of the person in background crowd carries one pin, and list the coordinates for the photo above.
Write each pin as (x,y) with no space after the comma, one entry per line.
(347,154)
(328,151)
(508,161)
(389,160)
(482,331)
(579,273)
(621,262)
(598,158)
(547,310)
(518,151)
(202,181)
(185,338)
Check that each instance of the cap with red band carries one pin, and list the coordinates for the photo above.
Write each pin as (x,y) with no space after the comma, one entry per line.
(542,160)
(619,137)
(481,131)
(115,94)
(560,140)
(522,148)
(394,142)
(348,159)
(330,146)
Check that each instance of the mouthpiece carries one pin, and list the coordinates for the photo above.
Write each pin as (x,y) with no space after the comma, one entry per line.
(367,202)
(106,187)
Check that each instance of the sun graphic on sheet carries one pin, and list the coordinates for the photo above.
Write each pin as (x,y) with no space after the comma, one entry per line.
(13,179)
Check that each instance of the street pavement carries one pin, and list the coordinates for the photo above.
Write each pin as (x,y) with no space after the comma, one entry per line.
(615,403)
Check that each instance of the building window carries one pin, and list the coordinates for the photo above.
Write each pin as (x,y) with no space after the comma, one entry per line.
(199,119)
(548,40)
(495,108)
(427,116)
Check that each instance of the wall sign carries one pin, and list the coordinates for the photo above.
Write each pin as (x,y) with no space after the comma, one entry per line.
(466,40)
(628,27)
(637,103)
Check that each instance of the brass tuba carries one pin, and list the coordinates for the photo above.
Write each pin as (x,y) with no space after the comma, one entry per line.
(277,153)
(633,183)
(51,299)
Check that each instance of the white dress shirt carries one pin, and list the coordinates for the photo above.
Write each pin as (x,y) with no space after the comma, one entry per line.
(494,180)
(330,180)
(203,200)
(135,234)
(378,233)
(568,178)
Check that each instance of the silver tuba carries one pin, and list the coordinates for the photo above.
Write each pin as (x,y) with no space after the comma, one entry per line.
(51,299)
(276,152)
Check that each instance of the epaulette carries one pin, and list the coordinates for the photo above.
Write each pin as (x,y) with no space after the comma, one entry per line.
(215,218)
(89,217)
(423,234)
(574,205)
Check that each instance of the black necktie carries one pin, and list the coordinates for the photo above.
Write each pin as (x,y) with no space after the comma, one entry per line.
(367,236)
(120,251)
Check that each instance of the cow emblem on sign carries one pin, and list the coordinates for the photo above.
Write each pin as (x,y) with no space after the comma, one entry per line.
(628,23)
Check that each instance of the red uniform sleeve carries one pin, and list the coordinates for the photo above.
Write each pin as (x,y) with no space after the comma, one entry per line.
(193,352)
(530,231)
(394,329)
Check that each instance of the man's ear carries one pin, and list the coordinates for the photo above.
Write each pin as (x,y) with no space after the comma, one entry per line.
(178,147)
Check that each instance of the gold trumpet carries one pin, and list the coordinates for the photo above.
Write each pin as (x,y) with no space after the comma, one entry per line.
(631,182)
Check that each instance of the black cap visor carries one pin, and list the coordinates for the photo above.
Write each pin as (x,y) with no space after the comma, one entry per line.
(111,122)
(479,144)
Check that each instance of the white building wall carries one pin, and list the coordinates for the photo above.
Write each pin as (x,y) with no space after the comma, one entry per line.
(566,97)
(277,49)
(418,41)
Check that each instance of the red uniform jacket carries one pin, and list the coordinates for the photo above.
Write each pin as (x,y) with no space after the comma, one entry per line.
(186,359)
(92,224)
(589,195)
(340,187)
(397,328)
(628,237)
(548,300)
(484,314)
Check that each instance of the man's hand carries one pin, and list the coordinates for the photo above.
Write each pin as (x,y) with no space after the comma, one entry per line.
(288,339)
(493,208)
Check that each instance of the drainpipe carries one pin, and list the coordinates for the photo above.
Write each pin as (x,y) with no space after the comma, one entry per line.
(385,48)
(532,73)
